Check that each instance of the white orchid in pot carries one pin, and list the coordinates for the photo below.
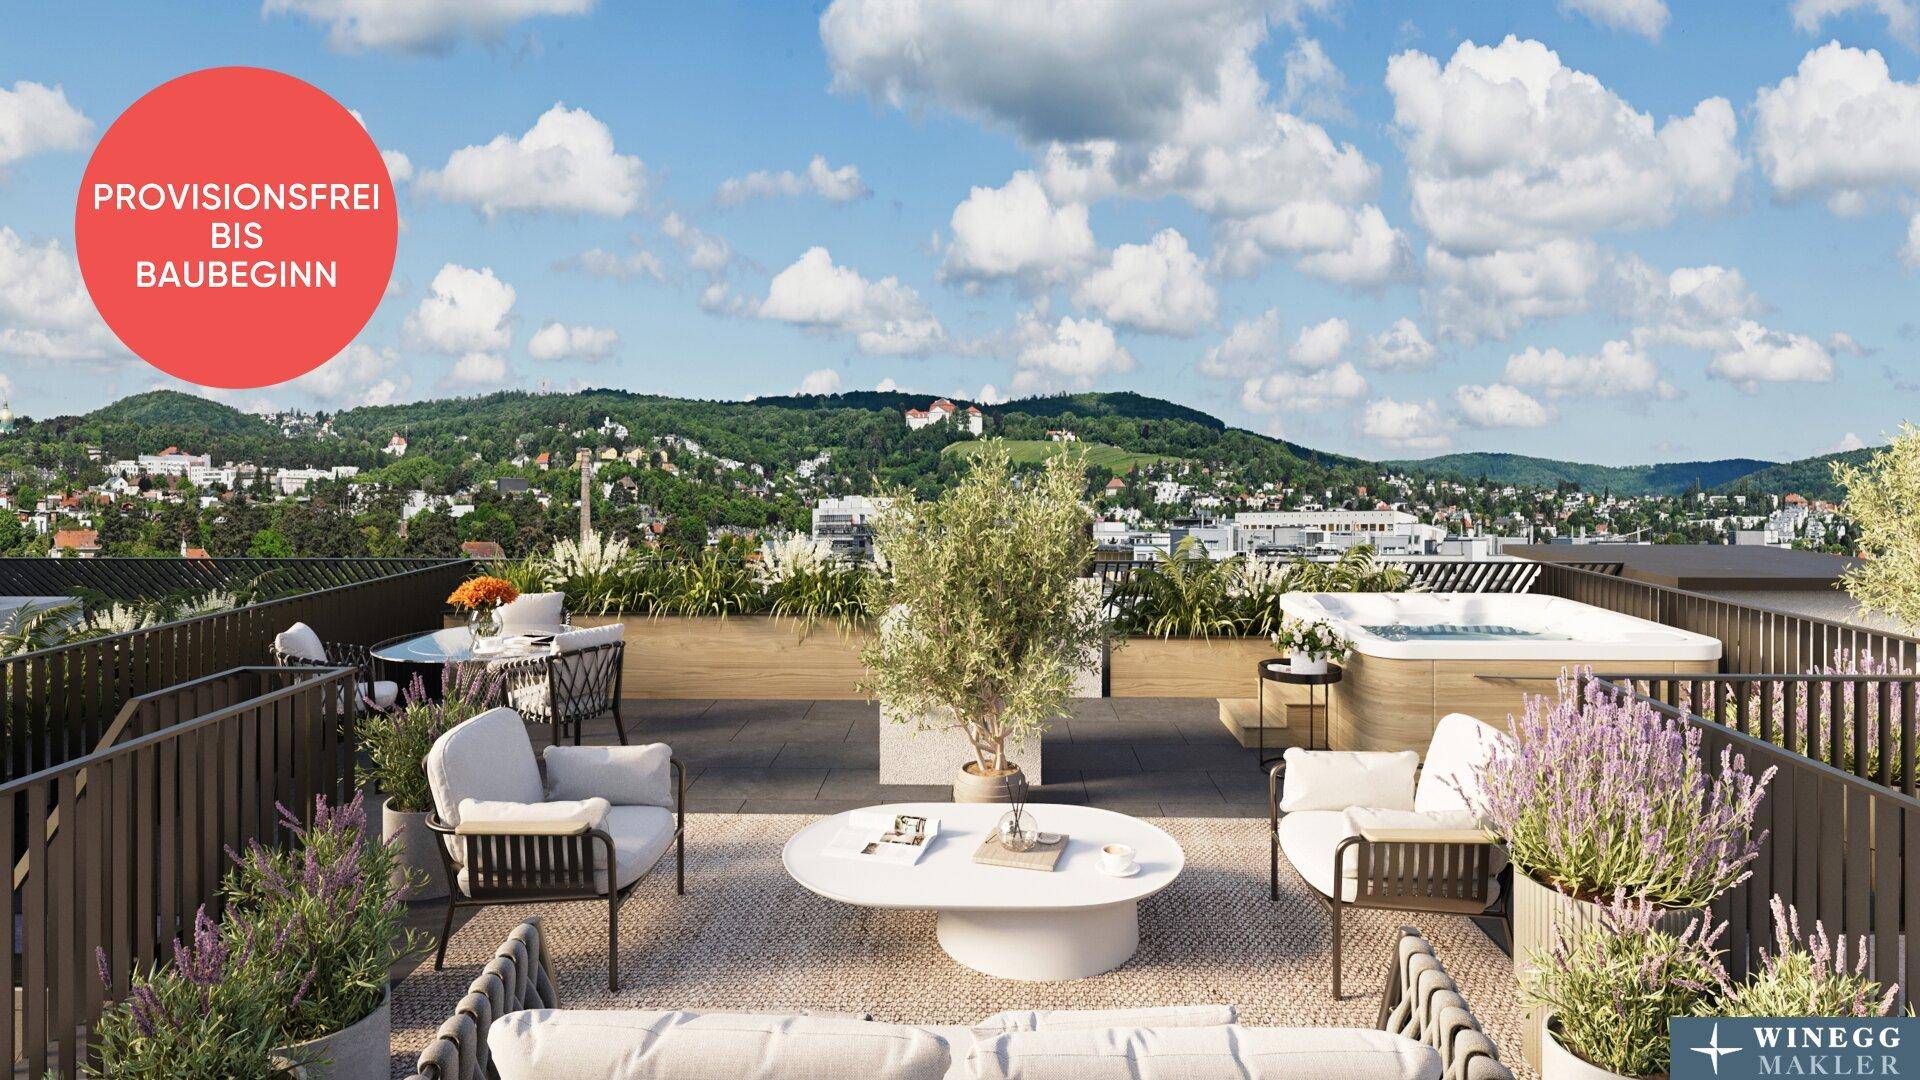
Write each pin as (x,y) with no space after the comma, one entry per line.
(987,626)
(1310,644)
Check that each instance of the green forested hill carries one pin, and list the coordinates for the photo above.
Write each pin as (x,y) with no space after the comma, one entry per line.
(1671,478)
(1812,477)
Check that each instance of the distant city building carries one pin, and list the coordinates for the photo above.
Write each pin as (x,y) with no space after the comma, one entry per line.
(75,544)
(943,410)
(483,550)
(846,524)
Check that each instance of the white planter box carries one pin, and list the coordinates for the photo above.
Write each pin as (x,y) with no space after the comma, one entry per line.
(928,756)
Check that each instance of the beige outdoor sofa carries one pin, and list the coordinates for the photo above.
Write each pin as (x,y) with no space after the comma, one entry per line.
(510,1026)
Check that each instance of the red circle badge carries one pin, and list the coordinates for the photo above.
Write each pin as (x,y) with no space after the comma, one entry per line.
(236,227)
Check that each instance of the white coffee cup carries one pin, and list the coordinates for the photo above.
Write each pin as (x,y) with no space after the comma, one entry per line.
(1116,858)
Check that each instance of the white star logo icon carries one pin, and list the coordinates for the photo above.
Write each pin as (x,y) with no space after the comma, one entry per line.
(1714,1050)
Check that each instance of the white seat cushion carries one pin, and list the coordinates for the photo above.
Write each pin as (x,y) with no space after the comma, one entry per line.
(641,834)
(577,1044)
(575,640)
(533,611)
(1308,839)
(299,641)
(381,692)
(1204,1053)
(1337,779)
(1166,1016)
(1461,747)
(553,818)
(624,775)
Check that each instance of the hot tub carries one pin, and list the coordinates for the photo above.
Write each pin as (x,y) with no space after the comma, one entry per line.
(1419,656)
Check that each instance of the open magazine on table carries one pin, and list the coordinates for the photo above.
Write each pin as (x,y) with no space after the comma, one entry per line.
(878,837)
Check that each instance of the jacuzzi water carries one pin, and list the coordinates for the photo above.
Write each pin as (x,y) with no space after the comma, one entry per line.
(1459,632)
(1494,626)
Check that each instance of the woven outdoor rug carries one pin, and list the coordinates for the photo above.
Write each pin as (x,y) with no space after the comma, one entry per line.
(746,938)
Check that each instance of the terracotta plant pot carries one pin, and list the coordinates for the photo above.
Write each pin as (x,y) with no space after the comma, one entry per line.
(360,1050)
(419,853)
(1541,914)
(973,786)
(1559,1063)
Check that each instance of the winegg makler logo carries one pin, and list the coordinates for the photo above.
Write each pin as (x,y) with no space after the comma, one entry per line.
(1731,1048)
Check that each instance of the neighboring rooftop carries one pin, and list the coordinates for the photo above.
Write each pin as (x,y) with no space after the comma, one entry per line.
(1701,567)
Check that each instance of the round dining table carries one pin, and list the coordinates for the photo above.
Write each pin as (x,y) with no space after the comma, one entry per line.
(428,654)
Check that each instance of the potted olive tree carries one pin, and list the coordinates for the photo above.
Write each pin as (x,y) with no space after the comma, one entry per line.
(986,625)
(1599,797)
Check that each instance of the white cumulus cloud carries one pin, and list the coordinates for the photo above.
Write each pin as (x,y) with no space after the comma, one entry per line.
(1016,231)
(1840,127)
(477,371)
(1491,295)
(1158,287)
(1072,352)
(1407,425)
(45,312)
(35,119)
(566,163)
(616,265)
(1759,355)
(1250,348)
(834,185)
(1644,17)
(360,374)
(1903,18)
(885,317)
(821,381)
(1507,147)
(418,25)
(1498,405)
(1321,345)
(1304,391)
(1619,369)
(558,341)
(1401,347)
(464,311)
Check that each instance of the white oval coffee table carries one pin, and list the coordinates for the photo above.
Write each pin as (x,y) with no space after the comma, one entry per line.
(1073,923)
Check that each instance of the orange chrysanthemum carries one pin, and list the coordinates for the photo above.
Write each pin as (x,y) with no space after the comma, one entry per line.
(483,592)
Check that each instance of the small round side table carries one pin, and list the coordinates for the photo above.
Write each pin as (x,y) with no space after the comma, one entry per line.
(1277,670)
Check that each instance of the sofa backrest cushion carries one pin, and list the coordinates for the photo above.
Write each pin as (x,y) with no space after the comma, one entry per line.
(1461,746)
(488,758)
(575,640)
(570,1044)
(1204,1053)
(300,642)
(1165,1016)
(622,775)
(533,611)
(1337,779)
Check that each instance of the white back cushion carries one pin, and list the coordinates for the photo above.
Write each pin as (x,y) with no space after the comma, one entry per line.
(533,611)
(1337,779)
(488,758)
(1207,1053)
(592,1044)
(1460,749)
(575,640)
(623,775)
(300,641)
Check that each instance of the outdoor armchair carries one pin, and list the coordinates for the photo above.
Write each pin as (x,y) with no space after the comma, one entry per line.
(1377,830)
(599,821)
(577,681)
(298,645)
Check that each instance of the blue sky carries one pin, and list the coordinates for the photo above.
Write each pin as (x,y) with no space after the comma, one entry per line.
(1610,230)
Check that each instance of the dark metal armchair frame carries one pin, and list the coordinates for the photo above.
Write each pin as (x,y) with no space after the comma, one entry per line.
(1442,871)
(521,868)
(339,654)
(581,685)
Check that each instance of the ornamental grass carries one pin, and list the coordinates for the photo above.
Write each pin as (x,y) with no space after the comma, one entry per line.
(1601,794)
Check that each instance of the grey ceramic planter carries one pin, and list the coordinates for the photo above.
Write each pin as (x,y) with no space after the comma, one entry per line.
(418,852)
(360,1051)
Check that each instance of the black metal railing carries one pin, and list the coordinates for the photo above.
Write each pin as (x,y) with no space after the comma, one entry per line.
(1838,848)
(146,578)
(56,703)
(114,851)
(1756,641)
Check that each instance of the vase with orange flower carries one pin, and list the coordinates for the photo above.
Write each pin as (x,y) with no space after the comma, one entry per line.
(481,597)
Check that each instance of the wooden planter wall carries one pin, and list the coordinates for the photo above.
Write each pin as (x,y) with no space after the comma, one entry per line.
(744,656)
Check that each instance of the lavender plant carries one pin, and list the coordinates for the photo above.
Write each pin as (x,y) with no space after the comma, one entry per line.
(1811,979)
(1601,794)
(1822,720)
(1610,986)
(397,741)
(324,919)
(203,1015)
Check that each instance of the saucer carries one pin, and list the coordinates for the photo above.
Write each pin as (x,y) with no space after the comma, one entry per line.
(1132,869)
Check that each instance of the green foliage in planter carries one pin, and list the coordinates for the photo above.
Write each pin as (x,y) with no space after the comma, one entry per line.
(986,619)
(397,740)
(803,579)
(1880,501)
(1611,986)
(1187,593)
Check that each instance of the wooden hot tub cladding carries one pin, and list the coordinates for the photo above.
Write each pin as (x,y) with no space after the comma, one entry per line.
(1386,704)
